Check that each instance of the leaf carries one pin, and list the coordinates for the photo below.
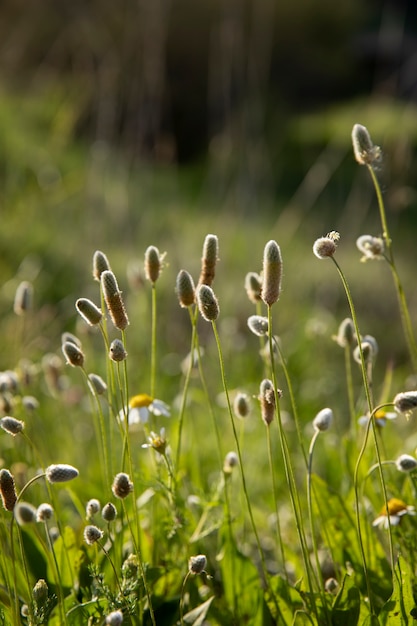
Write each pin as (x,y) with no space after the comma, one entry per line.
(68,558)
(397,611)
(284,601)
(197,616)
(346,607)
(34,555)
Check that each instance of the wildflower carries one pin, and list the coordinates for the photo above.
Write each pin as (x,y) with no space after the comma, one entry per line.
(406,463)
(73,354)
(97,384)
(100,264)
(365,152)
(323,420)
(90,312)
(405,402)
(60,473)
(241,405)
(141,406)
(115,618)
(267,400)
(109,512)
(157,442)
(44,512)
(122,486)
(396,509)
(208,260)
(371,247)
(153,263)
(325,247)
(114,300)
(92,508)
(185,289)
(258,325)
(11,425)
(381,416)
(345,334)
(207,303)
(92,534)
(253,286)
(7,490)
(230,461)
(23,298)
(117,351)
(25,513)
(272,273)
(197,564)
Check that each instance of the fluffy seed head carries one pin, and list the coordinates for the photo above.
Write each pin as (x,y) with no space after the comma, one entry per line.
(230,461)
(253,286)
(73,354)
(109,512)
(97,384)
(11,425)
(23,298)
(207,303)
(197,564)
(7,490)
(25,513)
(114,300)
(323,420)
(371,247)
(272,273)
(241,405)
(89,311)
(44,512)
(100,264)
(208,260)
(92,508)
(346,333)
(267,400)
(406,463)
(122,485)
(153,263)
(365,152)
(405,402)
(92,534)
(60,473)
(258,325)
(325,247)
(117,351)
(185,289)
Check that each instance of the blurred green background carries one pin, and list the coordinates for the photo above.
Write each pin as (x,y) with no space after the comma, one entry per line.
(135,123)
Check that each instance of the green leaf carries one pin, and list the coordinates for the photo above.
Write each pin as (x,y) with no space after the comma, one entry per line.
(68,558)
(346,607)
(397,611)
(284,600)
(34,555)
(197,616)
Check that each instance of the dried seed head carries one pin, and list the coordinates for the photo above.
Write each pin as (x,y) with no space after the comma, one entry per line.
(7,490)
(258,325)
(23,298)
(405,402)
(207,303)
(323,420)
(325,247)
(231,460)
(267,400)
(272,273)
(369,349)
(185,289)
(122,486)
(44,512)
(153,263)
(115,618)
(253,286)
(11,425)
(92,534)
(60,473)
(100,264)
(92,508)
(346,333)
(365,152)
(371,247)
(89,311)
(209,260)
(109,512)
(117,351)
(406,463)
(241,405)
(73,354)
(197,564)
(114,300)
(25,513)
(40,593)
(97,384)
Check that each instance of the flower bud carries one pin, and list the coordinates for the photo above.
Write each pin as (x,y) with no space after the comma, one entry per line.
(109,512)
(122,486)
(100,264)
(25,513)
(258,325)
(11,425)
(153,263)
(209,260)
(92,508)
(253,286)
(207,303)
(89,311)
(365,152)
(406,463)
(73,354)
(44,512)
(346,333)
(114,301)
(325,247)
(323,420)
(40,593)
(371,247)
(185,289)
(23,298)
(92,534)
(197,564)
(230,461)
(7,490)
(405,402)
(241,405)
(97,384)
(117,351)
(267,400)
(272,273)
(60,473)
(115,618)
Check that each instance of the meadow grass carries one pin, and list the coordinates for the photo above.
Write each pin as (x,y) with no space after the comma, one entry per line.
(188,456)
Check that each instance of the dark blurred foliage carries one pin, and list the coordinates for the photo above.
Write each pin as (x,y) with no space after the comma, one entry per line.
(164,78)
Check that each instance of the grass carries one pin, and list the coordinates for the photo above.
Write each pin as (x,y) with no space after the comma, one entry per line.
(279,532)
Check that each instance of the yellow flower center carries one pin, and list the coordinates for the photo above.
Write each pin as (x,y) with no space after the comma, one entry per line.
(139,401)
(395,506)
